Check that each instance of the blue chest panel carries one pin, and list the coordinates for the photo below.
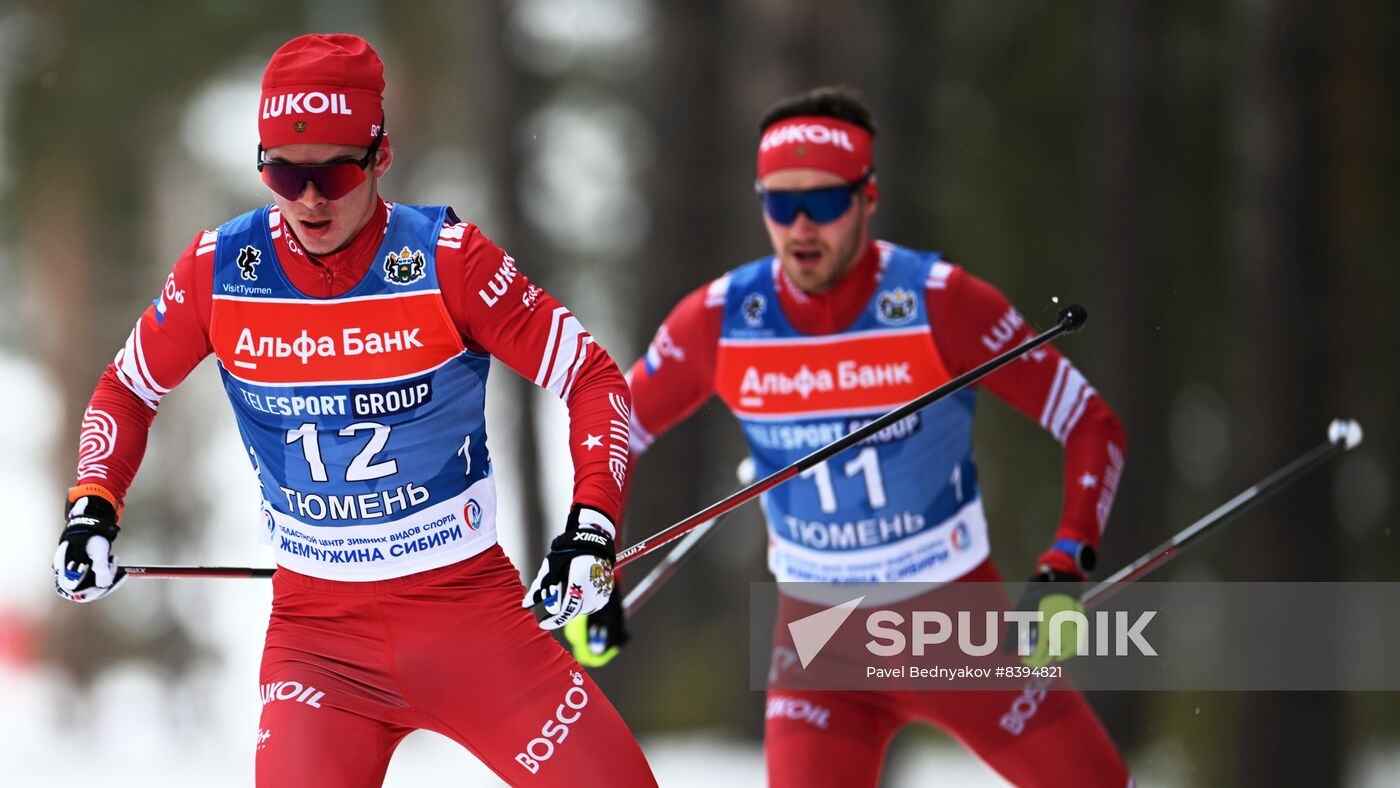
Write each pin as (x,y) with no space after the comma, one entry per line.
(795,393)
(363,409)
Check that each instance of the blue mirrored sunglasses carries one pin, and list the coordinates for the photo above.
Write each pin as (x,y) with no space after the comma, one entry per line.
(820,205)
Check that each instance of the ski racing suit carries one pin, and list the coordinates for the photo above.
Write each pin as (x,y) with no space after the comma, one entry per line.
(358,383)
(799,371)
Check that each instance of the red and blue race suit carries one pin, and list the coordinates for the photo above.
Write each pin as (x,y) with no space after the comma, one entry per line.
(870,514)
(358,383)
(801,370)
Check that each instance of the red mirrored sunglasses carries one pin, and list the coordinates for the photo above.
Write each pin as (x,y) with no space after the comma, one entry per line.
(333,179)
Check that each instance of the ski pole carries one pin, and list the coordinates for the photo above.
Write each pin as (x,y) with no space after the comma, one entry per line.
(1071,318)
(639,594)
(663,571)
(1342,435)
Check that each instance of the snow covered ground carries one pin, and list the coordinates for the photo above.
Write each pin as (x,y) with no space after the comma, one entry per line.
(137,739)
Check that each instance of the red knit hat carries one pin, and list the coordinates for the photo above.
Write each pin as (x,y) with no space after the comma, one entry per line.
(322,89)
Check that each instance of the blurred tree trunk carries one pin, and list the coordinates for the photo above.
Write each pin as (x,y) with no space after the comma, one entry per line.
(1367,176)
(874,47)
(68,350)
(511,93)
(1126,280)
(90,118)
(698,192)
(1282,318)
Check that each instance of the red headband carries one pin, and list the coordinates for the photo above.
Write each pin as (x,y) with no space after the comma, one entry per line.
(814,142)
(322,89)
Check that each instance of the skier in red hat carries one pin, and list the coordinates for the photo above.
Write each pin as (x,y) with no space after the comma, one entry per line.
(353,336)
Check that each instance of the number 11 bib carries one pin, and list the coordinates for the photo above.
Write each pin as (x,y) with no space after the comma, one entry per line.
(900,506)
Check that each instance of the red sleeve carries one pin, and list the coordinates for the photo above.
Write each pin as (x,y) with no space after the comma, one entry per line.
(972,322)
(499,311)
(169,340)
(677,374)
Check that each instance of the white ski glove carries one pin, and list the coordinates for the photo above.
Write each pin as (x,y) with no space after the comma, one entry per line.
(84,569)
(576,577)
